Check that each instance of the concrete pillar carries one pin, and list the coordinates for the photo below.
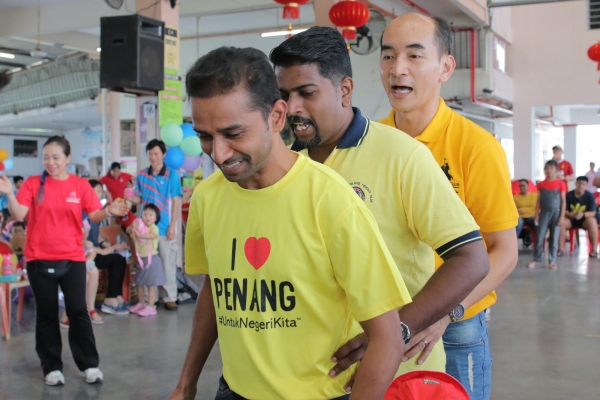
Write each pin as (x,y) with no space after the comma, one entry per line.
(526,146)
(115,126)
(570,150)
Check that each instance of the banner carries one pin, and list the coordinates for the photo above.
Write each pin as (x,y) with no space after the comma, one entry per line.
(170,105)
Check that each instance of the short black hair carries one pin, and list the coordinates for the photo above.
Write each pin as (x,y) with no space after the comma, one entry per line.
(115,165)
(17,178)
(443,35)
(225,69)
(557,147)
(152,207)
(318,45)
(551,163)
(18,223)
(155,142)
(525,181)
(94,182)
(582,178)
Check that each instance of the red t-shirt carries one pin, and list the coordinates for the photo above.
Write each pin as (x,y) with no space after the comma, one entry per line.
(116,187)
(566,168)
(55,226)
(552,185)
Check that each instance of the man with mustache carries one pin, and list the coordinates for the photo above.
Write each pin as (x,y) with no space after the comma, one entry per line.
(415,61)
(397,178)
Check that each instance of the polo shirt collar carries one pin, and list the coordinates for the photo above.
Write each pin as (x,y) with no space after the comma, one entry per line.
(162,172)
(436,128)
(354,135)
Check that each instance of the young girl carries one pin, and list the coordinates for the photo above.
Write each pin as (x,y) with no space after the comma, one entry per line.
(151,273)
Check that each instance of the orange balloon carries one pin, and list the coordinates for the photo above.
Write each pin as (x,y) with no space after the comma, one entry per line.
(3,154)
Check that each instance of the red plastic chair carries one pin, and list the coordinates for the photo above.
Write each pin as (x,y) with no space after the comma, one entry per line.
(426,385)
(574,235)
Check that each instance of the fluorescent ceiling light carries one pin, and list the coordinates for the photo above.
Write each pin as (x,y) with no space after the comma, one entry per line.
(35,64)
(14,70)
(98,49)
(6,55)
(281,33)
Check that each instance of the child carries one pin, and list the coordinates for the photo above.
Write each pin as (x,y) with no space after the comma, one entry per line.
(18,237)
(549,213)
(151,273)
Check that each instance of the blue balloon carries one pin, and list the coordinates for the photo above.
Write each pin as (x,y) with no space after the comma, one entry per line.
(8,164)
(188,130)
(174,158)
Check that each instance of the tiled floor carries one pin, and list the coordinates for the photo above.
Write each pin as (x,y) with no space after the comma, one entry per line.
(545,335)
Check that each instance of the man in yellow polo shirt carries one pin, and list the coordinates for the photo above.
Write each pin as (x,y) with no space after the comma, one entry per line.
(395,176)
(525,201)
(295,265)
(415,61)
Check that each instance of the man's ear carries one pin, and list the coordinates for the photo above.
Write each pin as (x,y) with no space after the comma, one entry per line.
(448,66)
(346,88)
(278,116)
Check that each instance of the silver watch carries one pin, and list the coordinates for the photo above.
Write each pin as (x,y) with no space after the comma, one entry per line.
(405,333)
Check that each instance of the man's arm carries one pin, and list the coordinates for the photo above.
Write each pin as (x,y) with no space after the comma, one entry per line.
(204,336)
(171,232)
(381,361)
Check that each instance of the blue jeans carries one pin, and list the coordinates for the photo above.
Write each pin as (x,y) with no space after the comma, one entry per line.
(225,393)
(468,356)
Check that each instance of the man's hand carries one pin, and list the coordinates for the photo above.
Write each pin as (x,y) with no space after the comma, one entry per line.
(424,341)
(536,220)
(171,232)
(579,215)
(349,354)
(181,394)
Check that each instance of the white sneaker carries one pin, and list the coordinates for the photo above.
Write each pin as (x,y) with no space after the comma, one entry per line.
(92,375)
(55,378)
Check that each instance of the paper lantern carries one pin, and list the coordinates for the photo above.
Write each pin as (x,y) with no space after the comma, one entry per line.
(3,154)
(593,54)
(188,130)
(174,158)
(171,134)
(349,15)
(291,9)
(191,146)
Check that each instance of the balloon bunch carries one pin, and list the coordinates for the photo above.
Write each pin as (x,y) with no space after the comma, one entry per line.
(184,146)
(5,162)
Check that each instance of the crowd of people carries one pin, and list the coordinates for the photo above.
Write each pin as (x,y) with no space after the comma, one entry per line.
(374,247)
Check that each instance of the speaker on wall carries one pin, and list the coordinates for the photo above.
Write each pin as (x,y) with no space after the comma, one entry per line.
(132,54)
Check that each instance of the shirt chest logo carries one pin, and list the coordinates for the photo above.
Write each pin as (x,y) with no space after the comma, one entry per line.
(73,198)
(257,251)
(446,169)
(363,191)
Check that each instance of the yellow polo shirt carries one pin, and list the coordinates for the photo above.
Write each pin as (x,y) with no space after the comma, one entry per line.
(415,207)
(526,203)
(475,164)
(293,267)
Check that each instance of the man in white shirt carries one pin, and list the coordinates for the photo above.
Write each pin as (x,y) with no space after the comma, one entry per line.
(591,174)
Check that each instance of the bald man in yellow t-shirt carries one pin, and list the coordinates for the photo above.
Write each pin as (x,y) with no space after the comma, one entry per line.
(415,61)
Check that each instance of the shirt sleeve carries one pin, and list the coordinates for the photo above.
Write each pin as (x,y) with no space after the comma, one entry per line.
(563,186)
(175,184)
(27,193)
(103,180)
(138,185)
(434,212)
(89,199)
(591,203)
(487,189)
(363,265)
(195,254)
(569,169)
(126,176)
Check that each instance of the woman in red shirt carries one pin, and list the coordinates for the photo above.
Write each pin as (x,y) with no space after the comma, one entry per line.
(54,202)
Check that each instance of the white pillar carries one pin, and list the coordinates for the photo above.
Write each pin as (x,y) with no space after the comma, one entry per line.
(570,150)
(526,147)
(115,126)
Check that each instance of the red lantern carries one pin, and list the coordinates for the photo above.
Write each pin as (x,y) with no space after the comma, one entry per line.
(291,9)
(594,53)
(349,15)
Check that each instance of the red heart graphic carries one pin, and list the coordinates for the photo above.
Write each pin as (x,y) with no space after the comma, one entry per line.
(257,251)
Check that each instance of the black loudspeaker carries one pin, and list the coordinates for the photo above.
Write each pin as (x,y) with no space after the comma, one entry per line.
(132,54)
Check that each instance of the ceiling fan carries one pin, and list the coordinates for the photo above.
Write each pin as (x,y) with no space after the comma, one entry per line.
(49,52)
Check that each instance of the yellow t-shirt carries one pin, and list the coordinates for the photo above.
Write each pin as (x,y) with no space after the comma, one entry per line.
(475,164)
(411,200)
(150,244)
(293,267)
(526,203)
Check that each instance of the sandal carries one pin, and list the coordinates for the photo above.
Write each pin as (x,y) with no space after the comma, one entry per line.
(593,254)
(552,265)
(95,318)
(559,253)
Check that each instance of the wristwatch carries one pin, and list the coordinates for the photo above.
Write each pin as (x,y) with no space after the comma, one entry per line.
(405,333)
(458,313)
